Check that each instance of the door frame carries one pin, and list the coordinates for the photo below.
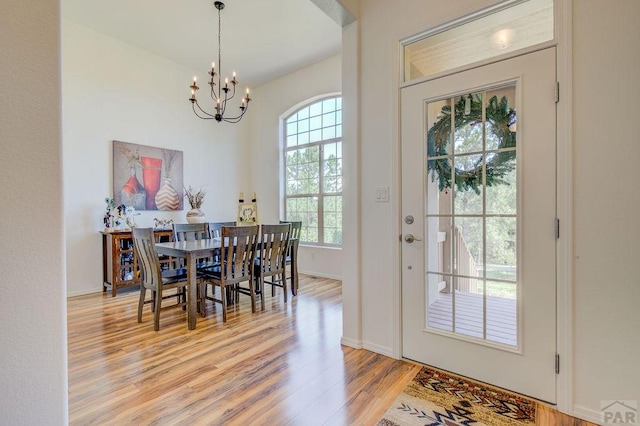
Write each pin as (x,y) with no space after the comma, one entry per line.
(564,205)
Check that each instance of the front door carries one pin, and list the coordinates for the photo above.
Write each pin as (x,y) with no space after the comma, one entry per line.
(478,211)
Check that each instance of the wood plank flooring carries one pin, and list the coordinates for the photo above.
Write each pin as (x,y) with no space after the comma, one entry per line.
(283,366)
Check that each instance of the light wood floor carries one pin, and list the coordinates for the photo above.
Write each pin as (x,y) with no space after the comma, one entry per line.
(281,366)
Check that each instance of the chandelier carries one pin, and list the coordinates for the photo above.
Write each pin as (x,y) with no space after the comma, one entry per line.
(220,94)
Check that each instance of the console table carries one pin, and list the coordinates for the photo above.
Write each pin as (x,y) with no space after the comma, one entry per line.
(119,263)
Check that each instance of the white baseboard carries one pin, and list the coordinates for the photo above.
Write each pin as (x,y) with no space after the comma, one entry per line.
(355,344)
(378,349)
(320,274)
(587,414)
(83,292)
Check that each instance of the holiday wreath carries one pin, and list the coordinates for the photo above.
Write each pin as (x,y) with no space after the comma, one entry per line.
(500,118)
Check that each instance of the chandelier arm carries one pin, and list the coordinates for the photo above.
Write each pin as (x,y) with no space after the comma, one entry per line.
(236,118)
(232,94)
(207,115)
(224,102)
(213,95)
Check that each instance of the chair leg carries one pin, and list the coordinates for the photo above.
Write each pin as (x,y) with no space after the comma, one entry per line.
(223,297)
(262,291)
(202,287)
(143,292)
(284,285)
(156,314)
(252,294)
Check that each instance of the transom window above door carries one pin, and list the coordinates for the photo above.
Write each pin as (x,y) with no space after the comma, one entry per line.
(508,27)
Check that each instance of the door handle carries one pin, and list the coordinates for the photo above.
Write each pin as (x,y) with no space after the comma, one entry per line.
(410,238)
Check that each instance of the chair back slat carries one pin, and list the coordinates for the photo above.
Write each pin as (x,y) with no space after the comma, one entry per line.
(238,252)
(215,228)
(190,231)
(296,228)
(274,245)
(147,255)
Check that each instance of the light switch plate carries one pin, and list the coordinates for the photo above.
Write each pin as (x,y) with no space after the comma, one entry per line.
(382,194)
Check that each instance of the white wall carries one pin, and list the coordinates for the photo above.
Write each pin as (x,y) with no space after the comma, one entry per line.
(606,202)
(114,91)
(33,338)
(606,57)
(271,101)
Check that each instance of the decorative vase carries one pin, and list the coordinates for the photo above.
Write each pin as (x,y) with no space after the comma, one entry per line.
(151,178)
(132,193)
(196,216)
(167,197)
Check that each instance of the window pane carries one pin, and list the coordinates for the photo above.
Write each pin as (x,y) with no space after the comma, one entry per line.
(468,246)
(303,171)
(303,113)
(303,125)
(306,210)
(315,136)
(339,117)
(468,188)
(303,138)
(332,220)
(329,119)
(502,257)
(329,105)
(292,140)
(468,124)
(315,123)
(526,24)
(315,109)
(292,128)
(328,133)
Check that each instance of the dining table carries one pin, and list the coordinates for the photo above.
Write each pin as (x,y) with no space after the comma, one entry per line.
(191,251)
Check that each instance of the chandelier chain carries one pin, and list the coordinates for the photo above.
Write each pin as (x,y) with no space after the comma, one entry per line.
(219,53)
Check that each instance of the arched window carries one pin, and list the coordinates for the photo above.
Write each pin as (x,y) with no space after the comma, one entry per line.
(312,172)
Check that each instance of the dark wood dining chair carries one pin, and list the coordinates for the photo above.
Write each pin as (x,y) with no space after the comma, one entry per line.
(215,228)
(237,254)
(271,260)
(152,277)
(292,254)
(190,231)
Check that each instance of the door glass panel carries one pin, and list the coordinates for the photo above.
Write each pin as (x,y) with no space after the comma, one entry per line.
(468,187)
(501,248)
(439,245)
(468,124)
(471,239)
(501,312)
(440,304)
(468,246)
(469,309)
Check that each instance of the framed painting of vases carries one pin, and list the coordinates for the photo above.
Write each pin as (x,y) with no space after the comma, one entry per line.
(147,177)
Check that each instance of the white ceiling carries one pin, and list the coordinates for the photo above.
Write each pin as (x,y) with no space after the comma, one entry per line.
(261,39)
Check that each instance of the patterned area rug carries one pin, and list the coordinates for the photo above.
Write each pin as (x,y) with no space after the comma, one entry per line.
(437,398)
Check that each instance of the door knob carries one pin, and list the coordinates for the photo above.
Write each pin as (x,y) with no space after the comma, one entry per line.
(410,238)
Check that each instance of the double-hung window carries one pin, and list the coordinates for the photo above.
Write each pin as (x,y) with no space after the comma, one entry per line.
(313,171)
